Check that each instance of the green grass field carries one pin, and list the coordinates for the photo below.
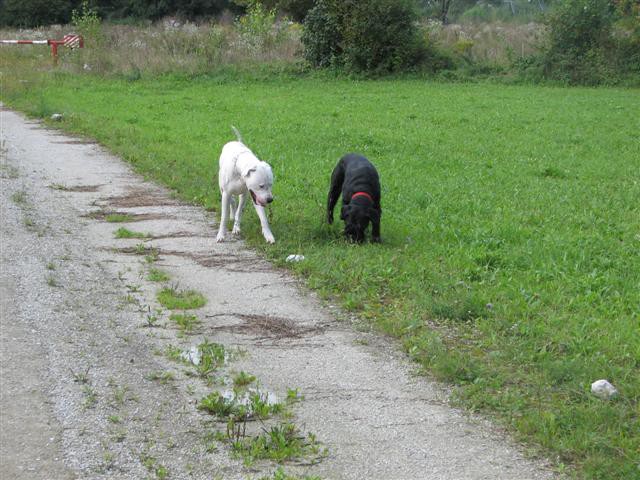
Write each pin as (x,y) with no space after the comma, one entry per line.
(511,225)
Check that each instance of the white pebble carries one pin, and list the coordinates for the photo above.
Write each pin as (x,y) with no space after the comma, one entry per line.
(603,389)
(295,258)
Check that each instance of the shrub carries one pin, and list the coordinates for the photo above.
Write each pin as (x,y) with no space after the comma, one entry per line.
(580,26)
(258,28)
(381,35)
(374,35)
(88,24)
(321,36)
(95,55)
(590,42)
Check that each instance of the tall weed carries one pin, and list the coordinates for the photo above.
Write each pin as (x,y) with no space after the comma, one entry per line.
(258,29)
(94,55)
(88,24)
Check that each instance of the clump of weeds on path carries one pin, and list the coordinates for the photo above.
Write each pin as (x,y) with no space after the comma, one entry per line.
(278,443)
(126,233)
(174,299)
(186,322)
(157,275)
(118,218)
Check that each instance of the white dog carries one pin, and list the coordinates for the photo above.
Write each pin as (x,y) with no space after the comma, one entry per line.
(241,172)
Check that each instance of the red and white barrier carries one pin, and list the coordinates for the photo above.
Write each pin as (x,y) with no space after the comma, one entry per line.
(70,41)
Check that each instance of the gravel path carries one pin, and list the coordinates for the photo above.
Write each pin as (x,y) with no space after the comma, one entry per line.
(88,391)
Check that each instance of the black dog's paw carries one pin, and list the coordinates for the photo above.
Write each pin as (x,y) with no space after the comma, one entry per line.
(329,219)
(376,239)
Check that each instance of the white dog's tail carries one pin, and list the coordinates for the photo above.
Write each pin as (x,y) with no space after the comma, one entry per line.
(237,132)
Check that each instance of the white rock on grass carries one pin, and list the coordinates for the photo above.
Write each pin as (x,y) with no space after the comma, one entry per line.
(603,389)
(56,117)
(193,355)
(295,258)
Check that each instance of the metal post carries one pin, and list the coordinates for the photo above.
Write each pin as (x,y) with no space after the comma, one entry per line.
(54,51)
(71,41)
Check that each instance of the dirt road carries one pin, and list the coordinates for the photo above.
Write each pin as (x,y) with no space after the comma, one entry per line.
(89,391)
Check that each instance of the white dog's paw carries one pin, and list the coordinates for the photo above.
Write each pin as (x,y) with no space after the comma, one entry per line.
(236,230)
(268,236)
(220,237)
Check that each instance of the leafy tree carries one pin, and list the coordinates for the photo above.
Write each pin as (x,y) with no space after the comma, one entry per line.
(155,9)
(296,9)
(30,13)
(442,9)
(445,5)
(35,13)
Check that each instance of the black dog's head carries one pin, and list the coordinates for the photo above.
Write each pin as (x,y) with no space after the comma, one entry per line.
(356,220)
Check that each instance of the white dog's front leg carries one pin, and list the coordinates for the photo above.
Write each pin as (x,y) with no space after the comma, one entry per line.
(224,218)
(236,224)
(266,231)
(232,206)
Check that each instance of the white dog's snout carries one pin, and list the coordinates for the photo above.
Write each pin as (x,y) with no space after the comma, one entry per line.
(263,199)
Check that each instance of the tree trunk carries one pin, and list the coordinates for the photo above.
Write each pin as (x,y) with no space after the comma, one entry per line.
(444,12)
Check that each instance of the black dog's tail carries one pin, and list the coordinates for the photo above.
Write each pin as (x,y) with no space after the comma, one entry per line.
(237,132)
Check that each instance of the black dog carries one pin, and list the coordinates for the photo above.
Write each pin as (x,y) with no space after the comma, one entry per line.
(357,179)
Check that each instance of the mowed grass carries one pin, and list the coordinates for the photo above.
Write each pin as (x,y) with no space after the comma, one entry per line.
(510,261)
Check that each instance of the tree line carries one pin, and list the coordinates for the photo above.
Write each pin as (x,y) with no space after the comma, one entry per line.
(35,13)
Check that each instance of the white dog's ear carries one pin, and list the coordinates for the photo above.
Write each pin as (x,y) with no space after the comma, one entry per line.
(248,171)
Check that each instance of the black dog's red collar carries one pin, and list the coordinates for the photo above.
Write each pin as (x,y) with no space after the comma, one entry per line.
(361,194)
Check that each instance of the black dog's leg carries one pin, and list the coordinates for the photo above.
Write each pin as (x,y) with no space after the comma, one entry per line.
(375,227)
(337,179)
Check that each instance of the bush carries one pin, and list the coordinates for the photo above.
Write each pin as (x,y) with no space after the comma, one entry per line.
(259,29)
(321,36)
(372,35)
(590,42)
(381,35)
(88,24)
(580,26)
